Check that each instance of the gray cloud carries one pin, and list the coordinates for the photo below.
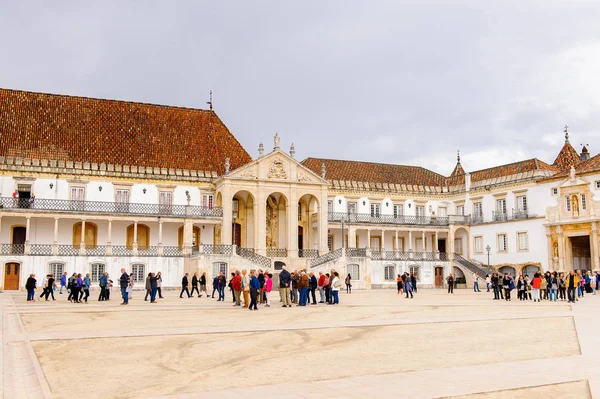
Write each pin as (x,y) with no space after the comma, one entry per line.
(383,81)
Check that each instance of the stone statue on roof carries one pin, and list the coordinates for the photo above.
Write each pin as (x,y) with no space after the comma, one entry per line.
(572,173)
(276,139)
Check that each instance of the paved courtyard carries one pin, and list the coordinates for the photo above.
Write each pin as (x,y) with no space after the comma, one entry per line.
(375,344)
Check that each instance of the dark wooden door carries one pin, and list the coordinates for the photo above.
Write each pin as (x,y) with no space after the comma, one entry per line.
(236,234)
(11,276)
(439,276)
(300,237)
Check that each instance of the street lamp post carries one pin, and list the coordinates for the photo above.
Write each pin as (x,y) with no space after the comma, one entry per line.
(488,249)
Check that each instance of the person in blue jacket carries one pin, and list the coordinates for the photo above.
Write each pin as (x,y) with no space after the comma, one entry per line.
(254,288)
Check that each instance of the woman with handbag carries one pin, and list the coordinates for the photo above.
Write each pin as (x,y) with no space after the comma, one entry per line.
(336,284)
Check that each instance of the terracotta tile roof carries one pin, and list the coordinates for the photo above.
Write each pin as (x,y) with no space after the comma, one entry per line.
(567,157)
(49,126)
(374,172)
(511,169)
(588,166)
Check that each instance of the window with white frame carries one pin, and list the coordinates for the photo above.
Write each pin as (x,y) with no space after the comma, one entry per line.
(122,200)
(330,206)
(420,210)
(501,206)
(523,241)
(502,245)
(353,271)
(389,273)
(479,244)
(442,212)
(522,203)
(568,203)
(583,201)
(138,271)
(98,270)
(77,193)
(56,268)
(478,209)
(375,210)
(207,201)
(351,207)
(398,210)
(460,210)
(416,270)
(219,267)
(458,246)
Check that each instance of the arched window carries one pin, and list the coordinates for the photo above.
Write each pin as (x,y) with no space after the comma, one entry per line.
(98,270)
(219,267)
(279,265)
(353,271)
(56,268)
(390,273)
(143,236)
(195,236)
(138,271)
(91,234)
(530,270)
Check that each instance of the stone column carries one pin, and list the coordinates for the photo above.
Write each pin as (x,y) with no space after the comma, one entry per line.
(82,243)
(550,249)
(226,230)
(369,238)
(27,228)
(292,224)
(594,247)
(424,242)
(382,240)
(450,246)
(188,229)
(410,247)
(109,238)
(323,222)
(55,241)
(436,246)
(160,238)
(255,226)
(561,249)
(134,245)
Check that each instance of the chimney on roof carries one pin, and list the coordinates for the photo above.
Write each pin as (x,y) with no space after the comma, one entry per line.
(585,154)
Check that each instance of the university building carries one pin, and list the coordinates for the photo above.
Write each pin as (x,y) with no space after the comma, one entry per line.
(92,185)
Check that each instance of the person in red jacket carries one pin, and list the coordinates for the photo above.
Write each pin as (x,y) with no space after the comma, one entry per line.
(535,284)
(321,287)
(236,285)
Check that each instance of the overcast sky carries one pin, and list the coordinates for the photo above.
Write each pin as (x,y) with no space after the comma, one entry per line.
(406,82)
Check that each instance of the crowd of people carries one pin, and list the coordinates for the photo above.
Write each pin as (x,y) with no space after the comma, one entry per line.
(252,287)
(408,283)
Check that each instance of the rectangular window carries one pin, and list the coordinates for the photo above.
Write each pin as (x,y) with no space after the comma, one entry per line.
(522,203)
(501,206)
(98,270)
(442,212)
(330,206)
(330,243)
(353,271)
(220,267)
(420,210)
(398,210)
(502,242)
(554,191)
(122,201)
(583,201)
(479,245)
(138,272)
(375,208)
(165,202)
(390,273)
(477,209)
(351,207)
(56,268)
(77,193)
(207,201)
(458,247)
(460,210)
(568,202)
(523,241)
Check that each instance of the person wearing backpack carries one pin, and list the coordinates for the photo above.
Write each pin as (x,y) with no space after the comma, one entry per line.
(103,282)
(336,284)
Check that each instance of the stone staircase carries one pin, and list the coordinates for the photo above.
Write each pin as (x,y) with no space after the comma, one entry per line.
(470,265)
(257,259)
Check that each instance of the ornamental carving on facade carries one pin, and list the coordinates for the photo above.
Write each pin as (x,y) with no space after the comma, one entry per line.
(276,171)
(249,173)
(301,176)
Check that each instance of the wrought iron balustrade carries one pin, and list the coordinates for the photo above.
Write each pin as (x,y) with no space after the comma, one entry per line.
(95,250)
(277,252)
(72,206)
(376,254)
(68,250)
(12,249)
(172,251)
(368,218)
(221,249)
(252,256)
(40,249)
(308,253)
(521,214)
(499,216)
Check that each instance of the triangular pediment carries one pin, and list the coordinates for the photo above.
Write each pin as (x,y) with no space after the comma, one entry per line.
(276,166)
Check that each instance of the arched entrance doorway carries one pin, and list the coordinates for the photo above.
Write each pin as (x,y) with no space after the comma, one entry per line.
(459,277)
(508,269)
(439,276)
(243,220)
(19,233)
(308,225)
(276,237)
(530,270)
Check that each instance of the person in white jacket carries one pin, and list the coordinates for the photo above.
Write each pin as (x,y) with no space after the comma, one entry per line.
(335,288)
(488,282)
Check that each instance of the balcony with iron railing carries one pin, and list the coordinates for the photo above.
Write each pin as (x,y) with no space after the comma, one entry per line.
(101,207)
(397,220)
(501,216)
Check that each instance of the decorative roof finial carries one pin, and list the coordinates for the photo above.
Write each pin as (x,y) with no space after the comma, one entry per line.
(210,102)
(276,140)
(227,165)
(292,150)
(566,134)
(458,156)
(261,149)
(323,170)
